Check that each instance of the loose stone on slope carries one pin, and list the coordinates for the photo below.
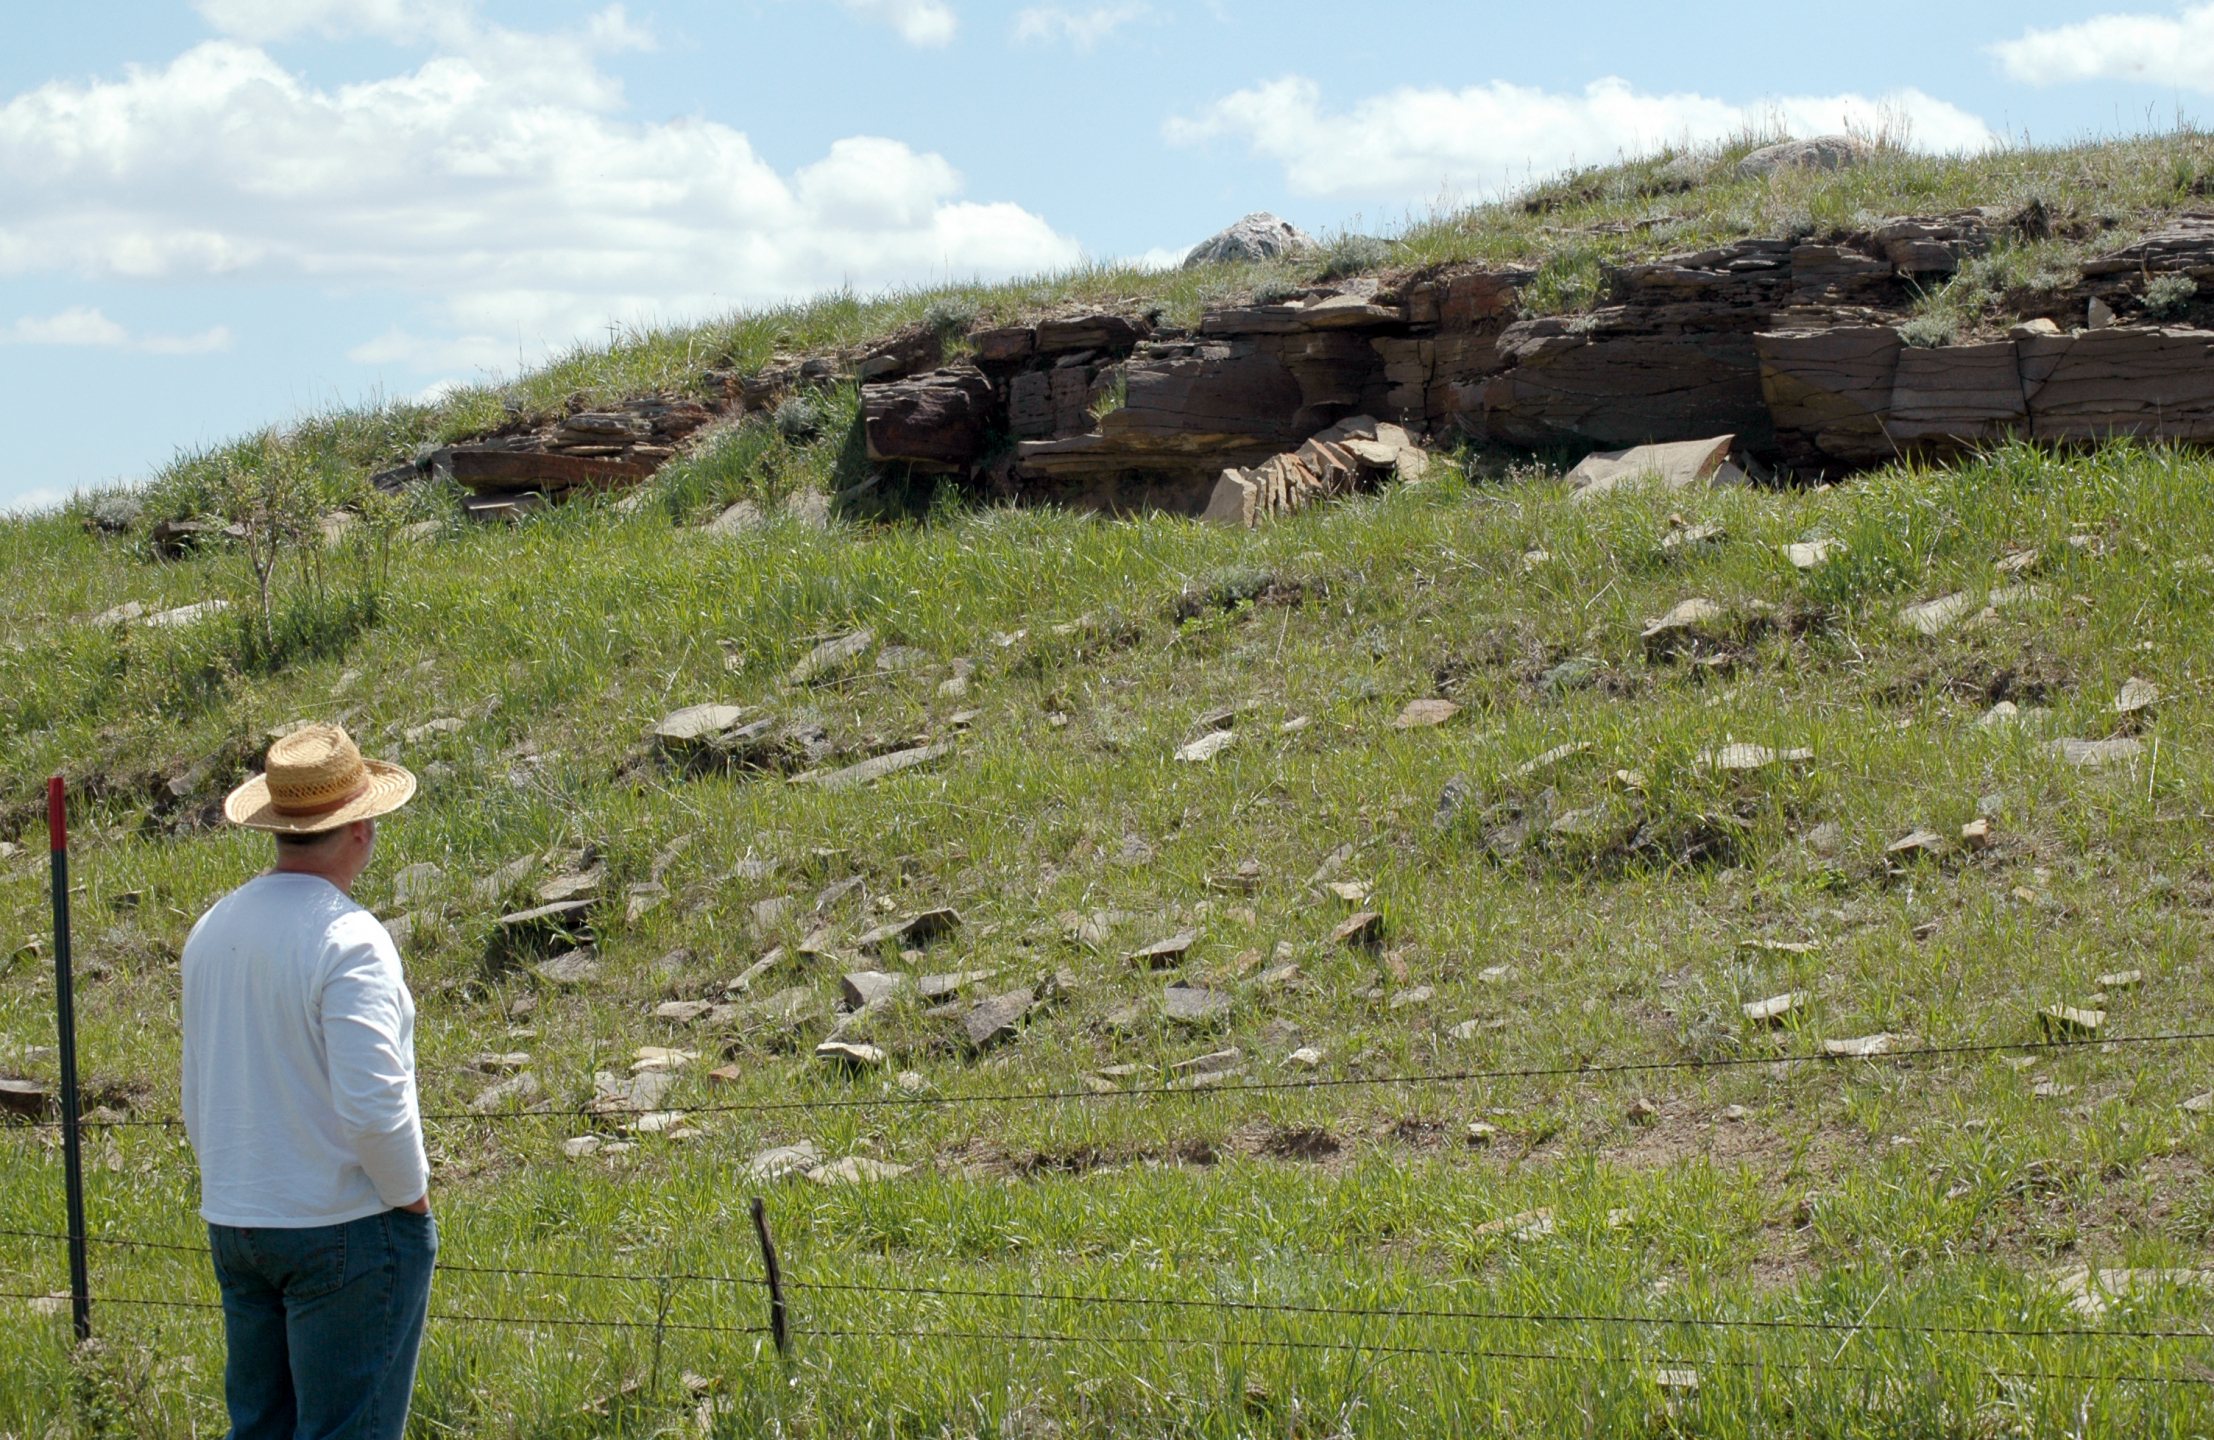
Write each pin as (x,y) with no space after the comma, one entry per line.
(1207,746)
(1165,954)
(1195,1005)
(1421,714)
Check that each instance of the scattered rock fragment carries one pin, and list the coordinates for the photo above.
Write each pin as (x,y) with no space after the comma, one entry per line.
(1363,930)
(1918,843)
(2121,980)
(778,1162)
(856,1170)
(997,1019)
(1977,834)
(831,657)
(1207,746)
(2090,1291)
(2068,1022)
(914,931)
(573,967)
(868,772)
(24,1097)
(851,1054)
(1422,714)
(1419,995)
(579,1146)
(1528,1225)
(1742,758)
(1482,1132)
(1306,1057)
(1683,618)
(1863,1047)
(1213,1063)
(1776,1009)
(521,1088)
(2097,754)
(683,1012)
(1812,554)
(2201,1104)
(1642,1111)
(2136,696)
(1935,617)
(1735,1114)
(867,987)
(1196,1005)
(1165,954)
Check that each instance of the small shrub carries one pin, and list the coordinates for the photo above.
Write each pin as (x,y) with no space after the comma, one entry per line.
(2170,295)
(1353,255)
(1277,292)
(949,314)
(799,418)
(1929,332)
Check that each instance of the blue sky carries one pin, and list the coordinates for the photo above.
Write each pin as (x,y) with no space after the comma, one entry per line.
(219,213)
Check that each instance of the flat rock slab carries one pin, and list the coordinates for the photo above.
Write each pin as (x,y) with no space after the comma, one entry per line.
(852,1054)
(574,967)
(24,1097)
(699,724)
(1863,1047)
(1196,1005)
(1421,714)
(1742,758)
(1776,1008)
(1163,954)
(856,1170)
(868,772)
(919,929)
(1935,617)
(1207,747)
(831,657)
(1680,465)
(866,987)
(782,1160)
(997,1019)
(2097,754)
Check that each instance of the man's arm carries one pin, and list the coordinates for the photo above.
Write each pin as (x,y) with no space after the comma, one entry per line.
(372,1073)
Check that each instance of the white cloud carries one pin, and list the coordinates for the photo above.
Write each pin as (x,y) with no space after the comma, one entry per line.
(1410,143)
(2165,50)
(497,183)
(86,327)
(928,23)
(1082,29)
(401,20)
(32,502)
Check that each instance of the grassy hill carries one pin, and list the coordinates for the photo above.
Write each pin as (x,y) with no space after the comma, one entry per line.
(1620,1178)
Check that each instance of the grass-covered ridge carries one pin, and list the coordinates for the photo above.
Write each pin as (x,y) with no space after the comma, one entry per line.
(1882,1198)
(2073,201)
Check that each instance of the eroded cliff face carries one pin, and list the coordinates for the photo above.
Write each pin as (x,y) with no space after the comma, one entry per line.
(1793,347)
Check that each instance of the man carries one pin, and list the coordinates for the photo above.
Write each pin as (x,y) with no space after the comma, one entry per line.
(299,1096)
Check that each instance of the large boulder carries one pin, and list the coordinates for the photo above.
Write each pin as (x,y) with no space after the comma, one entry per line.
(933,422)
(1259,236)
(1823,152)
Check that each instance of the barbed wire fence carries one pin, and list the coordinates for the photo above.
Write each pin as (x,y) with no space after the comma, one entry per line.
(777,1289)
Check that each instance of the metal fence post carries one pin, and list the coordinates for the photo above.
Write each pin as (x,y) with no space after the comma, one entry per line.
(777,1324)
(65,1024)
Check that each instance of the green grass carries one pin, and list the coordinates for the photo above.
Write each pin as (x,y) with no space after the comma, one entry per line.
(1882,1197)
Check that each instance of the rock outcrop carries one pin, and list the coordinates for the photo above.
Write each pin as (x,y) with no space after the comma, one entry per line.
(1259,236)
(1792,348)
(1823,152)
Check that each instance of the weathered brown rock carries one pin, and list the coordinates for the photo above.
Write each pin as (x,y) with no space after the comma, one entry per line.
(1829,391)
(1632,390)
(934,422)
(2153,384)
(489,472)
(1957,395)
(1089,332)
(2185,245)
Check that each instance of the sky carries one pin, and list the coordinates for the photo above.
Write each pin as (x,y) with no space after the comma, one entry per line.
(221,214)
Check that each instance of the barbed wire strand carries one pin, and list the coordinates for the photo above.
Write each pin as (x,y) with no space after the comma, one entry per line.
(1267,1307)
(923,1100)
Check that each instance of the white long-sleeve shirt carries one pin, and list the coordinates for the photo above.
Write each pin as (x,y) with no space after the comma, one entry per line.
(299,1059)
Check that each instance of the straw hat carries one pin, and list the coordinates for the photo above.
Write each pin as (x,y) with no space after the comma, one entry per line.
(316,780)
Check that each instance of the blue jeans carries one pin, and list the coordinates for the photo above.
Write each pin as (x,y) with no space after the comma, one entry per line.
(323,1325)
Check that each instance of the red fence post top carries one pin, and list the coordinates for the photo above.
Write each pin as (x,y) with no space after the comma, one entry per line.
(57,814)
